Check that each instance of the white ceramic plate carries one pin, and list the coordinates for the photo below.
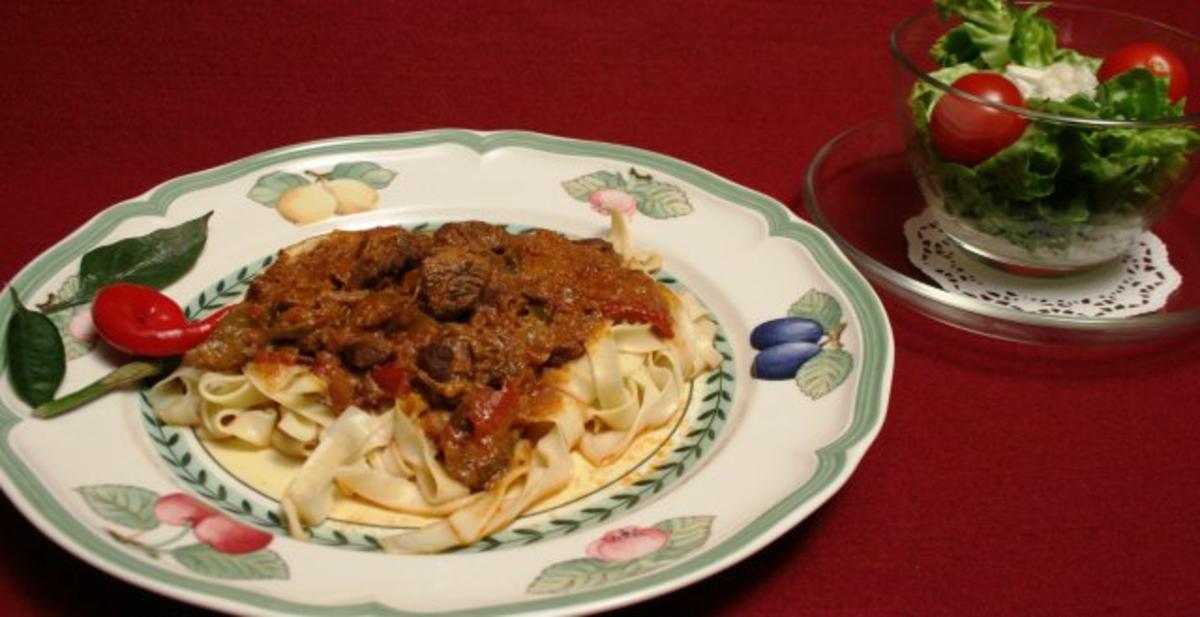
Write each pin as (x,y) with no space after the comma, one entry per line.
(746,461)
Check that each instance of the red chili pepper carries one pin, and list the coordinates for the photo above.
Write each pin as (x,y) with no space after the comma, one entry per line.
(660,321)
(141,321)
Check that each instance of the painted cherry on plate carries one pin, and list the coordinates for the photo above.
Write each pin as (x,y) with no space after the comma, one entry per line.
(181,509)
(210,526)
(229,536)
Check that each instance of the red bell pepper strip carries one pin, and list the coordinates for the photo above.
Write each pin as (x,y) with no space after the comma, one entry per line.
(659,320)
(392,379)
(491,411)
(142,321)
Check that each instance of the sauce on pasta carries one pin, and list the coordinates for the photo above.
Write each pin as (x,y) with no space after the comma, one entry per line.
(464,323)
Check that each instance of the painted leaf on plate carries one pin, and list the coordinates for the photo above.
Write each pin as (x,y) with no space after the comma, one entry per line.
(366,172)
(127,506)
(581,188)
(272,186)
(684,535)
(824,372)
(586,573)
(687,534)
(259,565)
(819,307)
(660,200)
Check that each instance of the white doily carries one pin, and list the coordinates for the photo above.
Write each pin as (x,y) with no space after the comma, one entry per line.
(1139,283)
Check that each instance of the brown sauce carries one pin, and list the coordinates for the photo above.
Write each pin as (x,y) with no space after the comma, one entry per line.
(469,319)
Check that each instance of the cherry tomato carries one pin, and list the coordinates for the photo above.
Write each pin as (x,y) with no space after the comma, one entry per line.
(1153,57)
(967,132)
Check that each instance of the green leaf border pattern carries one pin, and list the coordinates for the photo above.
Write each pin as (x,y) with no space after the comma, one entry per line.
(190,467)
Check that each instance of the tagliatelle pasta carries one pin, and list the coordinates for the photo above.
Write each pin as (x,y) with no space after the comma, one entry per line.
(630,375)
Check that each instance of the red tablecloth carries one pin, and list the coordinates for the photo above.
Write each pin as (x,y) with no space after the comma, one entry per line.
(1007,479)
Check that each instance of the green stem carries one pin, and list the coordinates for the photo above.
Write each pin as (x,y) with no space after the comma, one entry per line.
(125,375)
(47,309)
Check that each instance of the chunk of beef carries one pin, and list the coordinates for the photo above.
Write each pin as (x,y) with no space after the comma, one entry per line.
(475,235)
(452,281)
(366,351)
(386,254)
(476,461)
(447,359)
(564,353)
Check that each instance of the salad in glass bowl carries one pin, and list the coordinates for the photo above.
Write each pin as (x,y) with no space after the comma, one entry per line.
(1046,138)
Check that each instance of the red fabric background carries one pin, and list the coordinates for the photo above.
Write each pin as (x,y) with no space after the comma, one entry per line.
(1007,479)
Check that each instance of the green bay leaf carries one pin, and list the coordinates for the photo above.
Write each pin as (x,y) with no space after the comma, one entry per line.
(37,359)
(824,372)
(124,505)
(819,307)
(272,186)
(259,565)
(156,260)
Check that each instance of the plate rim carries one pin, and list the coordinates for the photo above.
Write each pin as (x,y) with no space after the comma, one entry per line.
(835,461)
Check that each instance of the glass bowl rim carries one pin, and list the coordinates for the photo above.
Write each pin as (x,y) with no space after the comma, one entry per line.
(911,67)
(1167,323)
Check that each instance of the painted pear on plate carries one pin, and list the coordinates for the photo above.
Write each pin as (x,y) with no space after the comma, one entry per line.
(307,204)
(352,196)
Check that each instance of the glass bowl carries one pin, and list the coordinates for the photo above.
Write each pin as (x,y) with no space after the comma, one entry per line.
(860,190)
(1082,190)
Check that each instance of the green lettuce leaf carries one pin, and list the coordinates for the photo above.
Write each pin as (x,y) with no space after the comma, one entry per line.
(994,33)
(1034,41)
(1078,106)
(1136,94)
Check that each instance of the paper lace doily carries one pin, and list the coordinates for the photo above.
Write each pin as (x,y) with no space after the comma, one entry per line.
(1139,283)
